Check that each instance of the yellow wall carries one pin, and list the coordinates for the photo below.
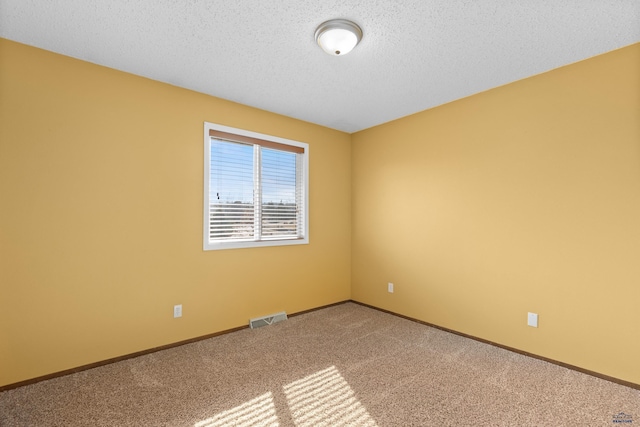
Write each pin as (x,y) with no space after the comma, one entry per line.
(101,217)
(522,198)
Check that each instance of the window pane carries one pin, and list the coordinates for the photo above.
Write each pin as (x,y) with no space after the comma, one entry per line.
(231,208)
(255,190)
(280,204)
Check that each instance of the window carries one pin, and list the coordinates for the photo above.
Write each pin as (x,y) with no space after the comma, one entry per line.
(255,189)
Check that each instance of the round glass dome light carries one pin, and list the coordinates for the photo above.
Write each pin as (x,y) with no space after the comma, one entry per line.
(338,36)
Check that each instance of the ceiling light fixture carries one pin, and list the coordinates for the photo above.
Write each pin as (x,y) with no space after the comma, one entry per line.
(338,36)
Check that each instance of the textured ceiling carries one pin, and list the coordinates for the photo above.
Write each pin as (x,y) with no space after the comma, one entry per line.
(415,54)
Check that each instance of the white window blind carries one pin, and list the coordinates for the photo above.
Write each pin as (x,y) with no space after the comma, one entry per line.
(255,189)
(281,213)
(231,191)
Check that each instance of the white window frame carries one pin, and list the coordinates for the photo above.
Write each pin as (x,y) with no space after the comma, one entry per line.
(237,244)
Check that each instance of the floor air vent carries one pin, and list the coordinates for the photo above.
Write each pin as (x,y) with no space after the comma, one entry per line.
(267,320)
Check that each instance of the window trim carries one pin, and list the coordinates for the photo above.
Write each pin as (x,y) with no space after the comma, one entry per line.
(267,141)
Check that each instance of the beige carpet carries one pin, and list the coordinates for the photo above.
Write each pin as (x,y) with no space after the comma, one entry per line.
(346,365)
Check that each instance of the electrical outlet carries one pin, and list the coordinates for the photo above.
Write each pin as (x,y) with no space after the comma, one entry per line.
(177,310)
(390,287)
(532,319)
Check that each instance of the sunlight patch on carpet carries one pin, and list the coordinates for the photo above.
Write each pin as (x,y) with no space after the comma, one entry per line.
(325,399)
(259,412)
